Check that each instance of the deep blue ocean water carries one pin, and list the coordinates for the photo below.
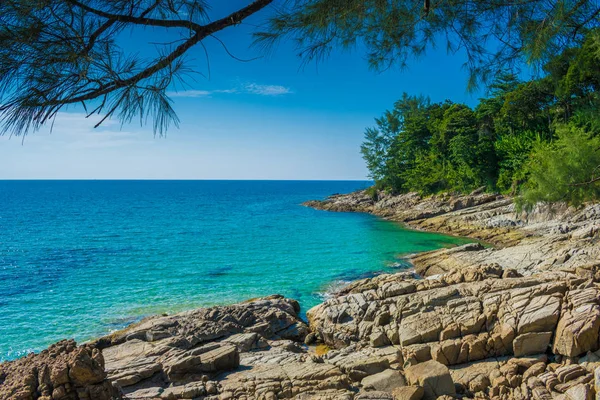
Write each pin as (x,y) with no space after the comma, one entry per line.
(83,258)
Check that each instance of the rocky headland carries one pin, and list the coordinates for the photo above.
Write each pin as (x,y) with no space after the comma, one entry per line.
(516,319)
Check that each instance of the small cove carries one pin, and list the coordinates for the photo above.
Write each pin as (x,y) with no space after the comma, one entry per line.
(83,258)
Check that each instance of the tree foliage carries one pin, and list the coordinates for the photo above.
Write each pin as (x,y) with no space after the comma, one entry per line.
(58,53)
(566,169)
(494,34)
(538,135)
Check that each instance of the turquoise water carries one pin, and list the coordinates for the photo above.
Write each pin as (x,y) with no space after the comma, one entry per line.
(82,258)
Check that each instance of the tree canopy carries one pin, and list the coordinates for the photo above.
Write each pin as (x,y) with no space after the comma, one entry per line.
(539,138)
(57,53)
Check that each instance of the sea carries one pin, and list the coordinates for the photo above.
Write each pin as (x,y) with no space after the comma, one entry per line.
(80,259)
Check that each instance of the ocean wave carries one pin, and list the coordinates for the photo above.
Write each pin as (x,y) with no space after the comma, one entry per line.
(400,264)
(332,288)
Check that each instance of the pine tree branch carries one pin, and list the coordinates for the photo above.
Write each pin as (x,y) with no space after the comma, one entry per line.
(201,32)
(130,19)
(585,183)
(590,181)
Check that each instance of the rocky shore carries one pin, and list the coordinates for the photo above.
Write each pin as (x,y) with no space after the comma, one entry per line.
(516,320)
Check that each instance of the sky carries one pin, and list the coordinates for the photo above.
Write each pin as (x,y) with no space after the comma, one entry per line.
(270,118)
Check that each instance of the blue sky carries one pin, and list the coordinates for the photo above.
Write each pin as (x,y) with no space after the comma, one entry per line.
(265,119)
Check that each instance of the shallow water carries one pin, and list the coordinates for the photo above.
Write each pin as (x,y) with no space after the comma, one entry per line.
(82,258)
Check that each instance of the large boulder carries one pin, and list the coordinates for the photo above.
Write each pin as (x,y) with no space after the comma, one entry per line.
(64,371)
(578,328)
(433,376)
(531,343)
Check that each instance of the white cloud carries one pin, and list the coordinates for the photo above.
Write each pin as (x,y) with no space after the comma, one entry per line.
(227,91)
(248,88)
(190,93)
(267,90)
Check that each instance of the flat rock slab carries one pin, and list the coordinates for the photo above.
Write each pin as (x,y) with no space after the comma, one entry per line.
(385,381)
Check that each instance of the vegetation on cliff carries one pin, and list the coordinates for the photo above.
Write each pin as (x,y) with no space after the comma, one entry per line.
(539,137)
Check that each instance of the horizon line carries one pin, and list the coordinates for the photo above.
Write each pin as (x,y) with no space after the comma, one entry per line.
(184,179)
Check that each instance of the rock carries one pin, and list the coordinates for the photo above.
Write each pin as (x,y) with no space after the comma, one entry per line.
(508,322)
(452,323)
(540,314)
(361,368)
(196,345)
(87,367)
(286,380)
(568,373)
(268,317)
(597,380)
(63,371)
(244,341)
(190,391)
(475,376)
(384,381)
(374,396)
(359,362)
(131,362)
(531,343)
(535,370)
(179,363)
(433,377)
(446,397)
(379,339)
(578,328)
(540,393)
(408,393)
(580,392)
(310,338)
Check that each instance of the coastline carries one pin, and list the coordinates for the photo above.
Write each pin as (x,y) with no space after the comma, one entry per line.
(517,320)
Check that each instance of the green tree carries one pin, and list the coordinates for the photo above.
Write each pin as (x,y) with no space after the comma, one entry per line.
(575,76)
(567,169)
(376,147)
(428,175)
(513,152)
(467,150)
(508,141)
(489,108)
(412,139)
(391,148)
(526,107)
